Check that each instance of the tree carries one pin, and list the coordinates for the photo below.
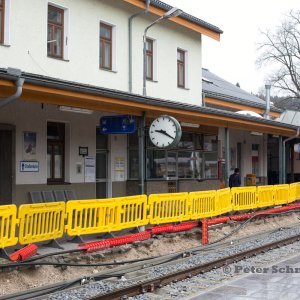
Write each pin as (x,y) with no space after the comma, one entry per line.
(281,50)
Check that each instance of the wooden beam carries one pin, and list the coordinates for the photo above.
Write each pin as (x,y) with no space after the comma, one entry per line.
(238,106)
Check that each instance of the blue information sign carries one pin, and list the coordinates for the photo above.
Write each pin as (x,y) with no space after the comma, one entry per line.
(117,124)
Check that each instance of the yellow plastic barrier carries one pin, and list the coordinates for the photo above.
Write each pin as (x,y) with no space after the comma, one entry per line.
(8,222)
(224,201)
(92,216)
(41,222)
(168,208)
(203,204)
(133,211)
(243,198)
(281,194)
(265,195)
(294,191)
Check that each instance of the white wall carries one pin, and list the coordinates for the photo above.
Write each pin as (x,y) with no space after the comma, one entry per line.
(80,131)
(28,47)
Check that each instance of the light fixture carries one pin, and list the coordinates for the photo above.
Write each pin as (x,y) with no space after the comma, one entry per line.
(76,110)
(192,125)
(173,12)
(256,133)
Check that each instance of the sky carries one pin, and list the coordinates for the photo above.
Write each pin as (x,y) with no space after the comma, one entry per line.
(233,57)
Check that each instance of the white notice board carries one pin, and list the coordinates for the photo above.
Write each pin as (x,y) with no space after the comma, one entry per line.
(89,169)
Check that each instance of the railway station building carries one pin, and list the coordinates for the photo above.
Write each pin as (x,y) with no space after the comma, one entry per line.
(80,84)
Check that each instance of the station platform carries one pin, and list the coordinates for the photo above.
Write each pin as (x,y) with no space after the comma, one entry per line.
(281,281)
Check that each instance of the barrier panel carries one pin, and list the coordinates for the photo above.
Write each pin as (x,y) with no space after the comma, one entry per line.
(224,201)
(41,222)
(8,222)
(133,211)
(203,204)
(168,208)
(281,194)
(243,198)
(265,195)
(92,216)
(294,191)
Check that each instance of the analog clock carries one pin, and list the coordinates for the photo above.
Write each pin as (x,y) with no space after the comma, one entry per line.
(165,132)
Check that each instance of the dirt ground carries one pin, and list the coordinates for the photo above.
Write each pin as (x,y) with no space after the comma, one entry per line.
(16,281)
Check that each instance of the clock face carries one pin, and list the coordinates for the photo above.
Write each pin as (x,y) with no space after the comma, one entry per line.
(165,132)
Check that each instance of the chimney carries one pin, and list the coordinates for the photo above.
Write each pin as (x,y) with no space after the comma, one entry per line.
(266,114)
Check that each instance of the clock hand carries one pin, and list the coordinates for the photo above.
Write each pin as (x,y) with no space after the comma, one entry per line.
(165,133)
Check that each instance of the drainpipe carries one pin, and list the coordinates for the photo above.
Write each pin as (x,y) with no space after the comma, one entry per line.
(283,154)
(19,84)
(203,100)
(145,11)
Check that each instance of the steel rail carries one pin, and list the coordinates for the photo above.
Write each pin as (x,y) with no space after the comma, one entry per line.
(151,285)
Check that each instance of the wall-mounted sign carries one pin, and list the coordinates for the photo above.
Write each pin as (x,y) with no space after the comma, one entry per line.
(119,168)
(29,166)
(117,124)
(89,169)
(29,143)
(83,151)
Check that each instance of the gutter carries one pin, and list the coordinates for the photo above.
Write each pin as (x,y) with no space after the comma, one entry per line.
(19,87)
(283,154)
(145,11)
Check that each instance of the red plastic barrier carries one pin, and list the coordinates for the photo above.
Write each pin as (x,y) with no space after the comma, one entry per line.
(24,253)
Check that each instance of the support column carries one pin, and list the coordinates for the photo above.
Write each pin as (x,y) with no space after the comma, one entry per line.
(281,160)
(227,157)
(142,123)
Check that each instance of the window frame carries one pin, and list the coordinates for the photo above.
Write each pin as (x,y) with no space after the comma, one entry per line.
(181,63)
(2,12)
(150,54)
(62,35)
(53,143)
(102,42)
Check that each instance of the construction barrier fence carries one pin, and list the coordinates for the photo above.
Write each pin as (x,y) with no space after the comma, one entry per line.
(41,222)
(32,223)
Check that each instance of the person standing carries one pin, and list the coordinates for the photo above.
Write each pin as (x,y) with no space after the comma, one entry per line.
(235,178)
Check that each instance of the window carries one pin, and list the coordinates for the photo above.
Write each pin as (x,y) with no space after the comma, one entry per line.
(55,35)
(2,8)
(105,46)
(180,68)
(196,157)
(149,59)
(55,152)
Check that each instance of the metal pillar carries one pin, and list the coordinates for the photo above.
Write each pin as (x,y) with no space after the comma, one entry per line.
(280,160)
(227,157)
(141,132)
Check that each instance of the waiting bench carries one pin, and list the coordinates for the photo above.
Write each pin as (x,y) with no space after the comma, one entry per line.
(52,196)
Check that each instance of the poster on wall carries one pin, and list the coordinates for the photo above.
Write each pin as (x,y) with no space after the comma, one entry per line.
(29,143)
(89,169)
(119,169)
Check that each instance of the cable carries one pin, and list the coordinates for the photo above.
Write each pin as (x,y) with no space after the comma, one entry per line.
(247,221)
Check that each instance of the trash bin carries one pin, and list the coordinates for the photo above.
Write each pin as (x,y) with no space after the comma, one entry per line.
(250,179)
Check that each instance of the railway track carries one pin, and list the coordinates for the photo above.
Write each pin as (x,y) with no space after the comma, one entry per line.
(134,279)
